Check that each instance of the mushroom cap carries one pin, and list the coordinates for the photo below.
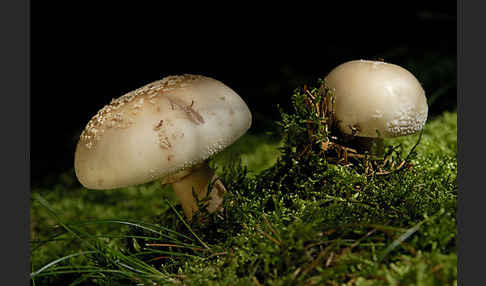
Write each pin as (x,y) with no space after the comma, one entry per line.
(159,129)
(376,99)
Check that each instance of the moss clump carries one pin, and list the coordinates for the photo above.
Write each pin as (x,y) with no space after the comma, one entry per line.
(305,220)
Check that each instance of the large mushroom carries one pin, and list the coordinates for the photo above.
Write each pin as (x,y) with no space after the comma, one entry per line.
(166,131)
(376,100)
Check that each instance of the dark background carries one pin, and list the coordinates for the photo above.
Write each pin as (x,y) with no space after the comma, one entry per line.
(83,55)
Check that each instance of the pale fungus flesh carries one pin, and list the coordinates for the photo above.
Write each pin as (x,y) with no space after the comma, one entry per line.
(165,130)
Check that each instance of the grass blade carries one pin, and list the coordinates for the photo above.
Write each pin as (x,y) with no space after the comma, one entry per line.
(35,273)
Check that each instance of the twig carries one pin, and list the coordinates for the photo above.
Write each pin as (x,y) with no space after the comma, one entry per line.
(173,245)
(268,236)
(270,226)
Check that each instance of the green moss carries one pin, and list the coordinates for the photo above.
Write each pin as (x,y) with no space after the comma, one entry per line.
(290,217)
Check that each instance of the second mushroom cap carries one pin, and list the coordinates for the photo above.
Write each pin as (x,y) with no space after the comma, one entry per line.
(376,99)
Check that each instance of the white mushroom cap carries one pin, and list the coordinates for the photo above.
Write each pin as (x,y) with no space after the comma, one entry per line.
(159,129)
(377,99)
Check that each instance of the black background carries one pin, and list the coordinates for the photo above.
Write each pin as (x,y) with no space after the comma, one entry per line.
(83,55)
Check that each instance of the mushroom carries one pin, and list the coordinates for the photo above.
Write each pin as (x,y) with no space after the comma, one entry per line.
(166,131)
(376,100)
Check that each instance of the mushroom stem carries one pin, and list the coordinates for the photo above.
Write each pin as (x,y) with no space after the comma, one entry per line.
(361,144)
(365,144)
(380,146)
(198,180)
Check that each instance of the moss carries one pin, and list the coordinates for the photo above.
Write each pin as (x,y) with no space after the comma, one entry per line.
(310,222)
(290,217)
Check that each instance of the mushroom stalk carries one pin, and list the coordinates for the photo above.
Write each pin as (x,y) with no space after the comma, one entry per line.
(365,144)
(361,144)
(198,180)
(380,146)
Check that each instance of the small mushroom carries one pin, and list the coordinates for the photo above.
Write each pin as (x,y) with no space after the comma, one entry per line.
(374,99)
(166,131)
